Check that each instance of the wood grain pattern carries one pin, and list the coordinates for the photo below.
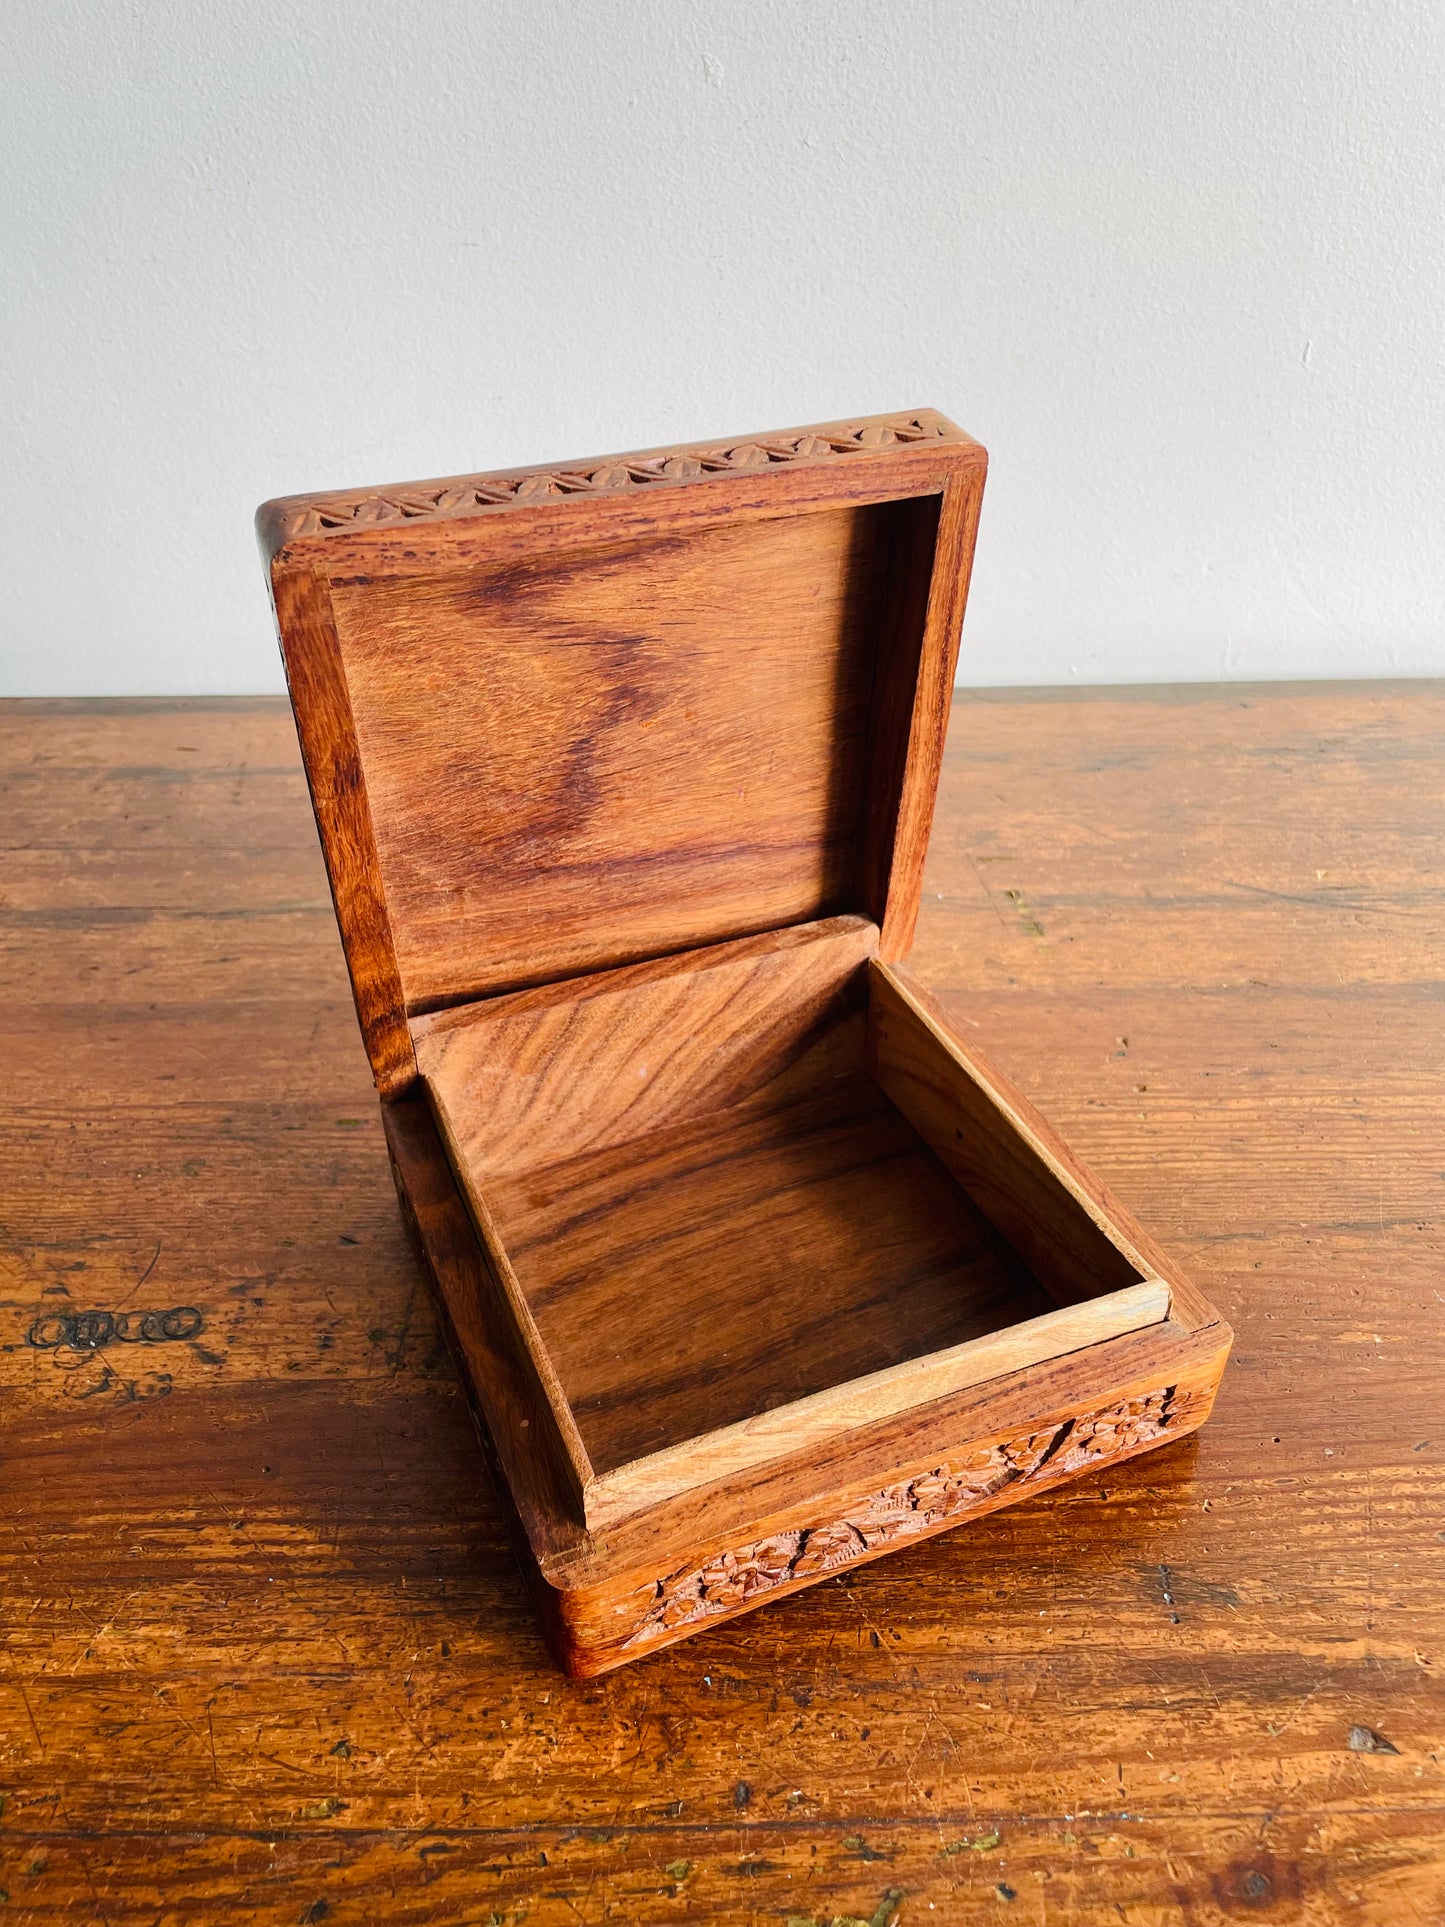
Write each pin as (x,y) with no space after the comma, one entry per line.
(587,1580)
(525,1080)
(579,1574)
(612,723)
(911,551)
(608,755)
(937,660)
(1010,1161)
(549,1426)
(693,1279)
(265,1645)
(842,1408)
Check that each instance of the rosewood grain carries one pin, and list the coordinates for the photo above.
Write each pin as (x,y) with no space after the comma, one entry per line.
(625,772)
(316,677)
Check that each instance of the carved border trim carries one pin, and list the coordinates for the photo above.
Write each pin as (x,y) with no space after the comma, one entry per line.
(900,1512)
(469,495)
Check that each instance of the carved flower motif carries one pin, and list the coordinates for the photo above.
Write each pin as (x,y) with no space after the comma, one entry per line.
(685,466)
(913,1506)
(828,1546)
(1120,1429)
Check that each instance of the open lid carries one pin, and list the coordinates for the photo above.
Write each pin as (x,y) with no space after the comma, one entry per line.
(564,718)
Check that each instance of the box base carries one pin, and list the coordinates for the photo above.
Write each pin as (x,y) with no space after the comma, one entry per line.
(608,1598)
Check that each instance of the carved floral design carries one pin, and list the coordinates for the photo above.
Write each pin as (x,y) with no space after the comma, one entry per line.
(320,515)
(908,1510)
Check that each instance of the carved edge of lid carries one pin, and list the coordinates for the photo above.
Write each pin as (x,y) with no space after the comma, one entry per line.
(306,517)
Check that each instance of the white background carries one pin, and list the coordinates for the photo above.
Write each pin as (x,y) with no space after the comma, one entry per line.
(1180,266)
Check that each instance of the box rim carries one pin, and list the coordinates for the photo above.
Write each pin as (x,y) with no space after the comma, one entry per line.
(322,515)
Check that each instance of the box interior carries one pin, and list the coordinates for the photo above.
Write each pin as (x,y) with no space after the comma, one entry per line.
(824,1239)
(711,1203)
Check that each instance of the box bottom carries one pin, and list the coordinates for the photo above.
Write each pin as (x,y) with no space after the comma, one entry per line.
(607,1599)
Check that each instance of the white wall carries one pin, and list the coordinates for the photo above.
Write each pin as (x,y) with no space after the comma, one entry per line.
(1179,266)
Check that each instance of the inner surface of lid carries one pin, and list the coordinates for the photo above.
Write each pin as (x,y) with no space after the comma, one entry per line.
(595,755)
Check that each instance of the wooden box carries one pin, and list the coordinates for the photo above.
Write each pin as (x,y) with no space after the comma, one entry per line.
(624,772)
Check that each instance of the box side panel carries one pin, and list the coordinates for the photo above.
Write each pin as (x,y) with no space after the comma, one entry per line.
(913,551)
(781,1431)
(491,1355)
(321,703)
(537,1076)
(898,840)
(596,1631)
(1078,1239)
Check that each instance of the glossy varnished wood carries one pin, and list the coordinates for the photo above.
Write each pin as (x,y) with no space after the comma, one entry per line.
(265,1648)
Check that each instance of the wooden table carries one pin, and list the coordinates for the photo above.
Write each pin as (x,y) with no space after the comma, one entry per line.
(266,1656)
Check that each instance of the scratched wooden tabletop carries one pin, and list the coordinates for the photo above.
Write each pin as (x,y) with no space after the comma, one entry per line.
(266,1657)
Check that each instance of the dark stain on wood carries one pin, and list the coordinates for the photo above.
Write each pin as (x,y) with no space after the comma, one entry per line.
(92,1331)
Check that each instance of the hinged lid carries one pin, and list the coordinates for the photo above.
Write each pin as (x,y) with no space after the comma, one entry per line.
(565,718)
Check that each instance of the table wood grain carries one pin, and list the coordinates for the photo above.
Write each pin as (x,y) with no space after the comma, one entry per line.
(266,1657)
